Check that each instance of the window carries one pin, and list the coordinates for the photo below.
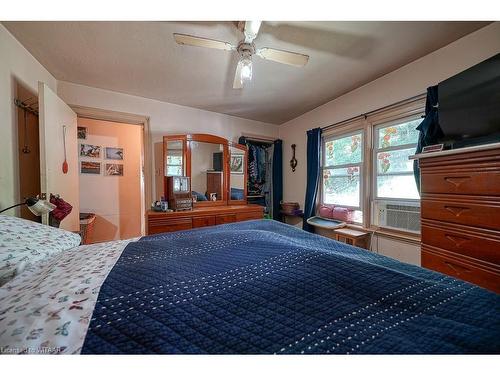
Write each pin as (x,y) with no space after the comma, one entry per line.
(174,166)
(342,170)
(393,170)
(365,165)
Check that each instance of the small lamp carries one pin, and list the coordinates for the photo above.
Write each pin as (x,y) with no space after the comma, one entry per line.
(37,206)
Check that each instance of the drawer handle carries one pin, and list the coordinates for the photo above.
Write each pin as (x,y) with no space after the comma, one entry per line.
(457,240)
(456,181)
(457,268)
(456,210)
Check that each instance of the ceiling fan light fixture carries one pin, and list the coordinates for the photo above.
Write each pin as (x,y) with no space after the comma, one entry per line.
(246,69)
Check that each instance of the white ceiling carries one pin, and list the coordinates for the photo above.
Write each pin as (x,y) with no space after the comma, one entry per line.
(141,58)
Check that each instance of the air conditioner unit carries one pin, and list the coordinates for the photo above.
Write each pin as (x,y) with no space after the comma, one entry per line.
(397,215)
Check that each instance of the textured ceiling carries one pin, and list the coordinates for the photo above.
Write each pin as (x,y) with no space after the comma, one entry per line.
(141,58)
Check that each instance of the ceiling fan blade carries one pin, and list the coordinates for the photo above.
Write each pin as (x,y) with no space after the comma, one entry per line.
(189,40)
(237,77)
(284,57)
(251,30)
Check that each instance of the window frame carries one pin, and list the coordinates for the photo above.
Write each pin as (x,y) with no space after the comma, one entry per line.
(331,137)
(175,152)
(406,110)
(376,149)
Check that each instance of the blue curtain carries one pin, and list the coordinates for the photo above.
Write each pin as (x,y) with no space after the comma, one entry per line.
(313,169)
(430,131)
(277,178)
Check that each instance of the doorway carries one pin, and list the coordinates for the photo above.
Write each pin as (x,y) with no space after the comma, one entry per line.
(28,147)
(111,178)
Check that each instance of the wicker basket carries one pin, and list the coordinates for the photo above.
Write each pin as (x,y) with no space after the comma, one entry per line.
(86,227)
(289,207)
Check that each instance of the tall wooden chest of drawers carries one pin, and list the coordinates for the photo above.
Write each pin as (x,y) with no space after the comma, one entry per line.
(460,210)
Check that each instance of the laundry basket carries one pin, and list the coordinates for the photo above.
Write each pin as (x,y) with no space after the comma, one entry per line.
(86,226)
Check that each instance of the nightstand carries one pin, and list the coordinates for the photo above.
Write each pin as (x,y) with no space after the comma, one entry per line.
(353,237)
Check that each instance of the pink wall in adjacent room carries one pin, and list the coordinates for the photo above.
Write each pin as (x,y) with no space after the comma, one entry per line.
(116,200)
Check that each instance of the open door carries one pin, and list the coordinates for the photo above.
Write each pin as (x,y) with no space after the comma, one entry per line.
(54,115)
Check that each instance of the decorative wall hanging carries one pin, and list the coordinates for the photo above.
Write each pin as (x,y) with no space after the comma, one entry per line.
(293,161)
(236,165)
(114,169)
(82,132)
(114,153)
(90,151)
(65,162)
(90,167)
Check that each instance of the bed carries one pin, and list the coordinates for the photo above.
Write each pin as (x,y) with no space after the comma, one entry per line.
(265,288)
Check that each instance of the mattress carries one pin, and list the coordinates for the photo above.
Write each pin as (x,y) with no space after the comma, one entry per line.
(256,287)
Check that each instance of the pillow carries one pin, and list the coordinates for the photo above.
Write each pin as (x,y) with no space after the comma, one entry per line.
(343,214)
(325,211)
(23,242)
(237,194)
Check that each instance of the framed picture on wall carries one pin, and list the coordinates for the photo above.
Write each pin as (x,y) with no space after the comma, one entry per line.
(90,151)
(114,153)
(236,164)
(114,169)
(82,132)
(90,167)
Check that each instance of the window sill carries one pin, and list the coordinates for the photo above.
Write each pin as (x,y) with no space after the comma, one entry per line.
(389,233)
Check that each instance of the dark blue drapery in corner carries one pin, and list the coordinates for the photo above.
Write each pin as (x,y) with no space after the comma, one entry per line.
(313,169)
(277,178)
(430,132)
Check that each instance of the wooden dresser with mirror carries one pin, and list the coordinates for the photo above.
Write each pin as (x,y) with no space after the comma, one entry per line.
(217,171)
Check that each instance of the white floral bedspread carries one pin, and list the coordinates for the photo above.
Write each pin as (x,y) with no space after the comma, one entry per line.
(47,308)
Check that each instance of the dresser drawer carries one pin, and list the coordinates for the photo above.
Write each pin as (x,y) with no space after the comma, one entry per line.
(162,225)
(482,214)
(224,219)
(476,243)
(249,216)
(461,268)
(203,221)
(472,183)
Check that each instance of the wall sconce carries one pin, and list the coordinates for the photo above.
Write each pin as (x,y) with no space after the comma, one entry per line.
(293,161)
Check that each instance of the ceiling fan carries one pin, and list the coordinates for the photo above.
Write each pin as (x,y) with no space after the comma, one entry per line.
(246,49)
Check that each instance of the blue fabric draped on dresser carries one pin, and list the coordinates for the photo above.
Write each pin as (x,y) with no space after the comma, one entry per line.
(429,128)
(313,169)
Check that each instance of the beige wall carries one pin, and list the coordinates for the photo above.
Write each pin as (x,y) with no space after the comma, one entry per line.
(164,118)
(403,83)
(16,64)
(116,200)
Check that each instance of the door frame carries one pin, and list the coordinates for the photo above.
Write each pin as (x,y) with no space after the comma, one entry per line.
(147,152)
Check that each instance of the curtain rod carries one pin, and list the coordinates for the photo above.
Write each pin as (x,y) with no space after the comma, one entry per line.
(257,138)
(364,115)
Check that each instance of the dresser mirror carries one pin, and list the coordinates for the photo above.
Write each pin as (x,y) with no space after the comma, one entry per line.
(216,167)
(207,171)
(237,174)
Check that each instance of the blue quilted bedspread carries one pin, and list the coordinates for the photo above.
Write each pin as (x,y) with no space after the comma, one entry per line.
(265,287)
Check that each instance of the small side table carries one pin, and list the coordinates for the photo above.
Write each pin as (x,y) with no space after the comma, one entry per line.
(352,237)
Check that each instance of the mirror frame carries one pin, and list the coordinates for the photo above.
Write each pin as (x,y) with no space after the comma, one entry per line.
(245,173)
(208,138)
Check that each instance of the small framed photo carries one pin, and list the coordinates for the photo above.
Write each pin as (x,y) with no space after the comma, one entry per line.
(90,167)
(114,169)
(114,153)
(236,164)
(82,132)
(90,151)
